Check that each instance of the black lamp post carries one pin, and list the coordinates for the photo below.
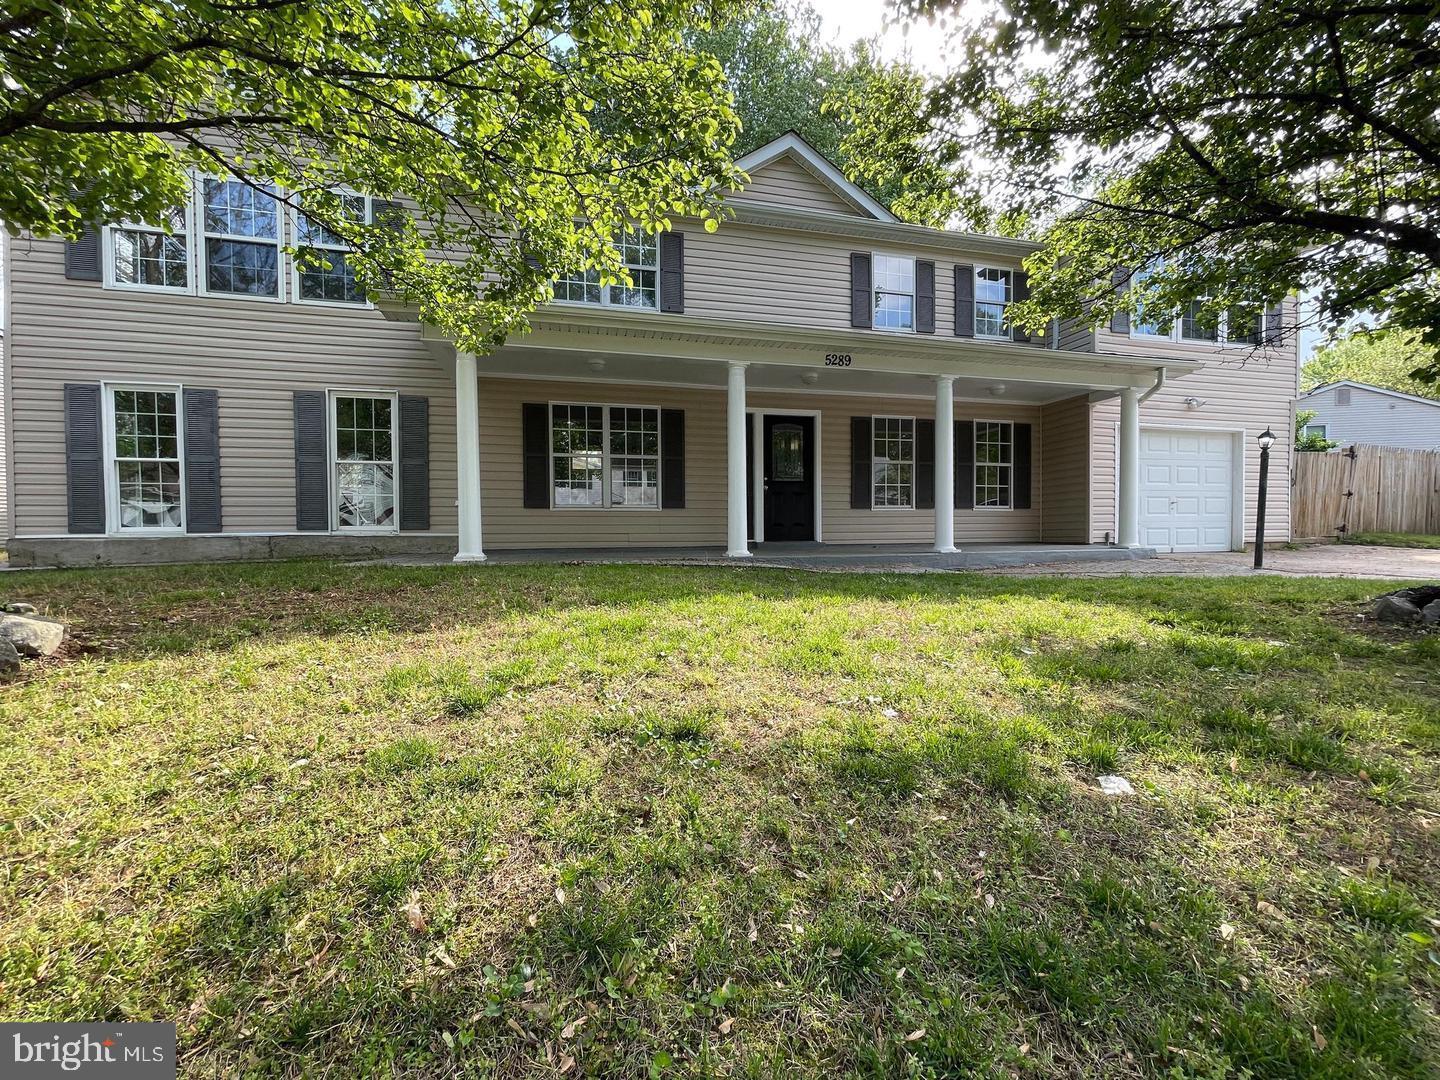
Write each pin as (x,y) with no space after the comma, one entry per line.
(1266,439)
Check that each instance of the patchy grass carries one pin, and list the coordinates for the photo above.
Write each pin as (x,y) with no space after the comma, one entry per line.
(631,821)
(1392,539)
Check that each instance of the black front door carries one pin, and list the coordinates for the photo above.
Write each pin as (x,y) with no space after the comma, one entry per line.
(789,469)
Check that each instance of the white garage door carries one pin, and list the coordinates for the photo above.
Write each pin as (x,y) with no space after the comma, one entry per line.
(1185,489)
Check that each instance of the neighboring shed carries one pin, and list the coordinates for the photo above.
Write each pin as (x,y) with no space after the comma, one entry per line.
(1352,412)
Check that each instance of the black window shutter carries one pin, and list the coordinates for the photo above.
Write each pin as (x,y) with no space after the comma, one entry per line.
(1020,293)
(965,300)
(925,297)
(535,446)
(1120,321)
(924,464)
(82,257)
(388,213)
(672,272)
(312,481)
(202,461)
(672,459)
(84,460)
(1274,325)
(861,300)
(414,463)
(861,449)
(965,464)
(1020,493)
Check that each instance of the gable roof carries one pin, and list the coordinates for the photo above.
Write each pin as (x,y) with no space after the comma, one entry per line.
(1373,389)
(792,145)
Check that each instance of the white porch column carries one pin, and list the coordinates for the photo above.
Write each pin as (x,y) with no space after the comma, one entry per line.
(1129,451)
(735,546)
(467,456)
(945,464)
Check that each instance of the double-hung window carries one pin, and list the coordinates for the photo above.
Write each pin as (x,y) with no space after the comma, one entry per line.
(146,473)
(994,464)
(604,455)
(994,290)
(144,256)
(241,249)
(363,444)
(323,272)
(1196,324)
(894,293)
(892,462)
(640,254)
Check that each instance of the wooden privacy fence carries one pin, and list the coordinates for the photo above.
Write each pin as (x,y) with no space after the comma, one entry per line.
(1365,489)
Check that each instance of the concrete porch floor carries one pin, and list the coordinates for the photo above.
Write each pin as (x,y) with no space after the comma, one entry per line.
(900,558)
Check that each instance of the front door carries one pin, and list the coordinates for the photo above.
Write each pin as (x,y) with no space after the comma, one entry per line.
(789,477)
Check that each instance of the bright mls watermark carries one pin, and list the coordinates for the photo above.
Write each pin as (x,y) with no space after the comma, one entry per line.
(139,1051)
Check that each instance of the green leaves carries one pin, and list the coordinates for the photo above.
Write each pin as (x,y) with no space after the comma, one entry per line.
(1286,146)
(490,120)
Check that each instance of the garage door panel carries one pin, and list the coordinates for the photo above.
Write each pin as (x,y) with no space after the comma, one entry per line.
(1186,493)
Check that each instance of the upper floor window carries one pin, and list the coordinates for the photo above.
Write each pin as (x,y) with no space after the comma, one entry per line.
(604,455)
(1242,324)
(1317,430)
(152,256)
(994,290)
(1197,325)
(324,273)
(894,293)
(892,462)
(241,227)
(640,254)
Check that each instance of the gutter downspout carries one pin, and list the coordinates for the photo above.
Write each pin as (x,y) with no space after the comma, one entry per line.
(1159,385)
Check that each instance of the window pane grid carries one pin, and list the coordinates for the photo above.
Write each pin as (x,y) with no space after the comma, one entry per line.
(893,461)
(147,257)
(364,462)
(147,459)
(329,276)
(994,290)
(994,462)
(894,295)
(242,238)
(1196,326)
(605,455)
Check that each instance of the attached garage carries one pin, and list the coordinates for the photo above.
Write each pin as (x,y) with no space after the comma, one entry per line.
(1189,480)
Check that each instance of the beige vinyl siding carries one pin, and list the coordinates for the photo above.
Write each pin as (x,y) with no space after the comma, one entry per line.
(1076,335)
(508,524)
(788,183)
(255,353)
(794,278)
(1065,516)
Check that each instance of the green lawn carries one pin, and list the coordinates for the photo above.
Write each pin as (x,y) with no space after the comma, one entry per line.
(1392,539)
(632,821)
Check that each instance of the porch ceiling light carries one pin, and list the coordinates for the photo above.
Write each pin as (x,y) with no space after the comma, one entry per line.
(1266,439)
(997,390)
(596,363)
(810,378)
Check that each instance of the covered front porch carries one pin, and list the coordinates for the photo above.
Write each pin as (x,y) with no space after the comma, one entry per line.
(842,441)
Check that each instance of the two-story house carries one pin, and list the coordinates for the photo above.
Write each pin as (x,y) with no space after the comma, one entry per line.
(814,371)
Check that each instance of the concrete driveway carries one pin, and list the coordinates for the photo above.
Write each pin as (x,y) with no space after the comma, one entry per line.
(1317,560)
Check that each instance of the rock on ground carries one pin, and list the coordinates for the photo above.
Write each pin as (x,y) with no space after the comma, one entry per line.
(1430,613)
(9,661)
(31,636)
(1396,609)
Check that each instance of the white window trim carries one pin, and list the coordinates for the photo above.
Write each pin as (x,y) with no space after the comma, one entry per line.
(1009,334)
(605,407)
(333,464)
(202,263)
(976,463)
(112,487)
(875,291)
(1321,430)
(107,253)
(1220,340)
(915,446)
(292,219)
(605,301)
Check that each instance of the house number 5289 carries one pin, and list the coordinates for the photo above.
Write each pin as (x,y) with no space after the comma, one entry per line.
(838,359)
